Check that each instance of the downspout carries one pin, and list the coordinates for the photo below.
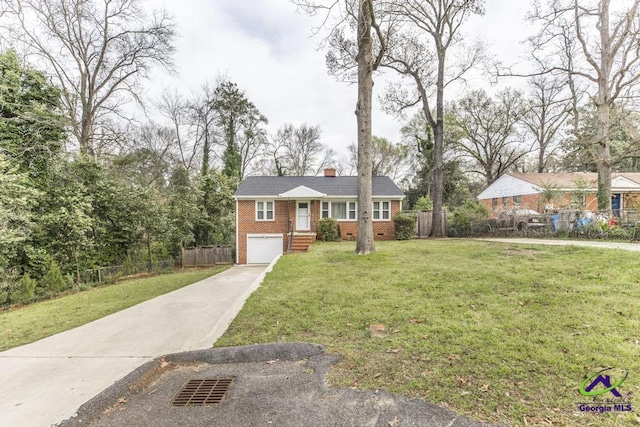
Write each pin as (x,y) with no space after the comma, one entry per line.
(237,235)
(290,226)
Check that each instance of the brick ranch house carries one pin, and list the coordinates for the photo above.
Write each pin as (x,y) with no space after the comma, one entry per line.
(271,209)
(525,190)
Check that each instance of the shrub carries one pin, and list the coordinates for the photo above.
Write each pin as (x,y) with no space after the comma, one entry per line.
(470,212)
(53,281)
(24,290)
(404,226)
(424,203)
(329,230)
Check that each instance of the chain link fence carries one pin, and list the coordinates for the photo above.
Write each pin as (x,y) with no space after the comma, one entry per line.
(116,272)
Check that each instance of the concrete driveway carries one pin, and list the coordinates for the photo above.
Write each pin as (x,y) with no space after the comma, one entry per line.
(589,243)
(45,382)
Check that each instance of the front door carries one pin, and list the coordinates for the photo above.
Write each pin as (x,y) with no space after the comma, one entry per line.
(303,223)
(616,203)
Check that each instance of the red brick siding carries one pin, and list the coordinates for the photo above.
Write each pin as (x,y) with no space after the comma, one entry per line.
(382,230)
(247,224)
(285,210)
(534,201)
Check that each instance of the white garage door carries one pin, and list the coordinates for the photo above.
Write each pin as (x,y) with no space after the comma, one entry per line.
(263,248)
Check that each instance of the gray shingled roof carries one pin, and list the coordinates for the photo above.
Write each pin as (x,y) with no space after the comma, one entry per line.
(331,186)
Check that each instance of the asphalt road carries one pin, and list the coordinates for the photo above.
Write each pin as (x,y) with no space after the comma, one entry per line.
(278,384)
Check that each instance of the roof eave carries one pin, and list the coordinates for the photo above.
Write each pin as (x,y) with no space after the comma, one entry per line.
(325,196)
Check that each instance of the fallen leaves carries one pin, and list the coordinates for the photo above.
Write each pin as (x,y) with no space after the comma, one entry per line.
(395,422)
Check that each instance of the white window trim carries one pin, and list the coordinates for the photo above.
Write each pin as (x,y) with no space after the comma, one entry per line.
(264,210)
(381,210)
(330,202)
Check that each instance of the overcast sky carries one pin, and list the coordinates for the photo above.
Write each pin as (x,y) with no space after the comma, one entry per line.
(268,50)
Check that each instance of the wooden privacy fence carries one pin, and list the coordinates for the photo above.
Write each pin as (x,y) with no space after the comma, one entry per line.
(423,224)
(207,256)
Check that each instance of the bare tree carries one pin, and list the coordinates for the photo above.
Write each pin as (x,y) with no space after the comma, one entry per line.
(420,53)
(298,151)
(547,112)
(598,47)
(389,159)
(218,122)
(203,119)
(490,132)
(624,137)
(176,109)
(97,50)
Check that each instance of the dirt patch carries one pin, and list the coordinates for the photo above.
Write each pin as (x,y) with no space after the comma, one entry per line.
(161,367)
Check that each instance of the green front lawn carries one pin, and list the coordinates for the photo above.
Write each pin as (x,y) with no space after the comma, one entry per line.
(498,332)
(39,320)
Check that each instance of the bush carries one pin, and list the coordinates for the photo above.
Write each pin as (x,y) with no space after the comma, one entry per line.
(470,212)
(53,281)
(424,203)
(4,294)
(329,230)
(24,290)
(404,226)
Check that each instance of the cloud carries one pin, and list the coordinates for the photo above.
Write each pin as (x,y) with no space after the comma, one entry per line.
(267,49)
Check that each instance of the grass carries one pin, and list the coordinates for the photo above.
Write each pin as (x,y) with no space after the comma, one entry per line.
(497,332)
(39,320)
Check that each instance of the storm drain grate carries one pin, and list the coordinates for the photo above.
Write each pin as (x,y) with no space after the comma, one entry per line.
(202,392)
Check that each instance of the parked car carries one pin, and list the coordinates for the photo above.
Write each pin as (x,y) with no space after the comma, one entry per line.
(518,220)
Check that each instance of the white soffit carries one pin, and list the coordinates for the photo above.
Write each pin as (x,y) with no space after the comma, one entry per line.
(302,192)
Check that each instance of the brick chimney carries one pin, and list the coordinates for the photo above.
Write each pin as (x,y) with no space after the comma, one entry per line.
(330,172)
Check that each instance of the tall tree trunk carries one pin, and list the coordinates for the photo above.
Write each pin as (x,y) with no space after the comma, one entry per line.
(364,244)
(437,226)
(85,133)
(150,263)
(604,163)
(603,108)
(541,160)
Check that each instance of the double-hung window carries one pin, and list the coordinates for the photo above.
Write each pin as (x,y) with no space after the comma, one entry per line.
(381,211)
(326,213)
(344,211)
(264,210)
